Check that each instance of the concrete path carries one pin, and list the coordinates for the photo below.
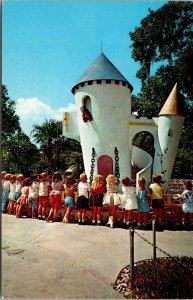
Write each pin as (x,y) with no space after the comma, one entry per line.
(56,260)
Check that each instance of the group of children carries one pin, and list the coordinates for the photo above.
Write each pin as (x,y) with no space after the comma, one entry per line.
(37,193)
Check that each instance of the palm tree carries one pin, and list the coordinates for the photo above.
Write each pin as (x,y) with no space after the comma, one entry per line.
(50,139)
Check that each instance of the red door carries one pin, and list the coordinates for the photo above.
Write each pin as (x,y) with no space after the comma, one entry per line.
(105,165)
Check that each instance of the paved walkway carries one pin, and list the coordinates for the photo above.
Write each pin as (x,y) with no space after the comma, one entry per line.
(56,260)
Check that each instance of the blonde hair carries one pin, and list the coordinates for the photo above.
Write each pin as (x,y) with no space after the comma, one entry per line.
(97,181)
(83,175)
(111,179)
(141,182)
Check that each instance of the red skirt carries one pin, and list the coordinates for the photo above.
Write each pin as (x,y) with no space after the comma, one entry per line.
(56,201)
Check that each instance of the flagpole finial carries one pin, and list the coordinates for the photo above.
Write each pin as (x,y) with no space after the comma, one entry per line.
(101,46)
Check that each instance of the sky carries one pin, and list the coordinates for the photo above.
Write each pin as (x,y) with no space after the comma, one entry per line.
(48,45)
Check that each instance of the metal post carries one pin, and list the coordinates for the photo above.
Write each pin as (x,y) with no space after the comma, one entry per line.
(131,230)
(154,237)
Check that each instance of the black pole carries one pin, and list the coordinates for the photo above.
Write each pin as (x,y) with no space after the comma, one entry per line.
(131,230)
(154,237)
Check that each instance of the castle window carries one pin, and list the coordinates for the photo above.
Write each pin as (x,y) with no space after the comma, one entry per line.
(108,81)
(116,81)
(98,81)
(170,132)
(90,82)
(82,84)
(124,83)
(86,109)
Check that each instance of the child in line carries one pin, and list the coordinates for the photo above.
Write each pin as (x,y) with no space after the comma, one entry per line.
(83,195)
(96,199)
(187,206)
(33,196)
(129,200)
(3,173)
(143,206)
(11,194)
(157,192)
(23,199)
(5,194)
(17,193)
(44,189)
(55,195)
(112,198)
(69,191)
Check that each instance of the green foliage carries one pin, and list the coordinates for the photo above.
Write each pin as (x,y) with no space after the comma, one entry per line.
(57,152)
(163,46)
(10,121)
(19,155)
(184,164)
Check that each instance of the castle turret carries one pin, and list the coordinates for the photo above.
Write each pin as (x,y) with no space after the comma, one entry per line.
(171,118)
(103,103)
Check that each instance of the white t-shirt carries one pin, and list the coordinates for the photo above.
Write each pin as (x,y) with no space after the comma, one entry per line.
(34,190)
(43,188)
(84,189)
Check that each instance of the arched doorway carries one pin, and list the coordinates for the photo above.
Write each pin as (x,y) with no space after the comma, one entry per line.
(145,141)
(105,165)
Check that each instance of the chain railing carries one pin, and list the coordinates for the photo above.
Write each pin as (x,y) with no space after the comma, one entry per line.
(155,247)
(92,166)
(117,171)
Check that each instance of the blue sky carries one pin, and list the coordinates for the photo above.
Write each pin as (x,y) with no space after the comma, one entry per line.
(47,46)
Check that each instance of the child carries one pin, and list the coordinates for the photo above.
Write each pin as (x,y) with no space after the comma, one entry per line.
(5,194)
(157,191)
(69,190)
(33,196)
(112,198)
(96,199)
(187,197)
(129,199)
(11,194)
(143,206)
(17,193)
(83,196)
(44,189)
(55,194)
(23,199)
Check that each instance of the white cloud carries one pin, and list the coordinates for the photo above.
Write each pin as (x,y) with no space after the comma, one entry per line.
(33,111)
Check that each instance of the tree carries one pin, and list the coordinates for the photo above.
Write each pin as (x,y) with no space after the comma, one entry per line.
(10,121)
(19,155)
(55,148)
(163,46)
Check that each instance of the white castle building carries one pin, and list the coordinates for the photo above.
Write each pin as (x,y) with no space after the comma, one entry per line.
(105,127)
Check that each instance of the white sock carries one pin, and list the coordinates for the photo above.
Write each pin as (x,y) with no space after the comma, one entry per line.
(93,221)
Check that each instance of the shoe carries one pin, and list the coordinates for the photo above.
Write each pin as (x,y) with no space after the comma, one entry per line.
(111,225)
(79,223)
(84,223)
(43,218)
(39,217)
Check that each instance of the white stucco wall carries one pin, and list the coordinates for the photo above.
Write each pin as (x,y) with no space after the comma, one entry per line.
(166,123)
(111,108)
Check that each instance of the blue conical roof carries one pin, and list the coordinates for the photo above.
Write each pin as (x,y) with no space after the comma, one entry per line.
(102,69)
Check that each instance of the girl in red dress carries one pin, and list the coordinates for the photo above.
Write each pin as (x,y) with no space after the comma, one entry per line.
(96,200)
(57,188)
